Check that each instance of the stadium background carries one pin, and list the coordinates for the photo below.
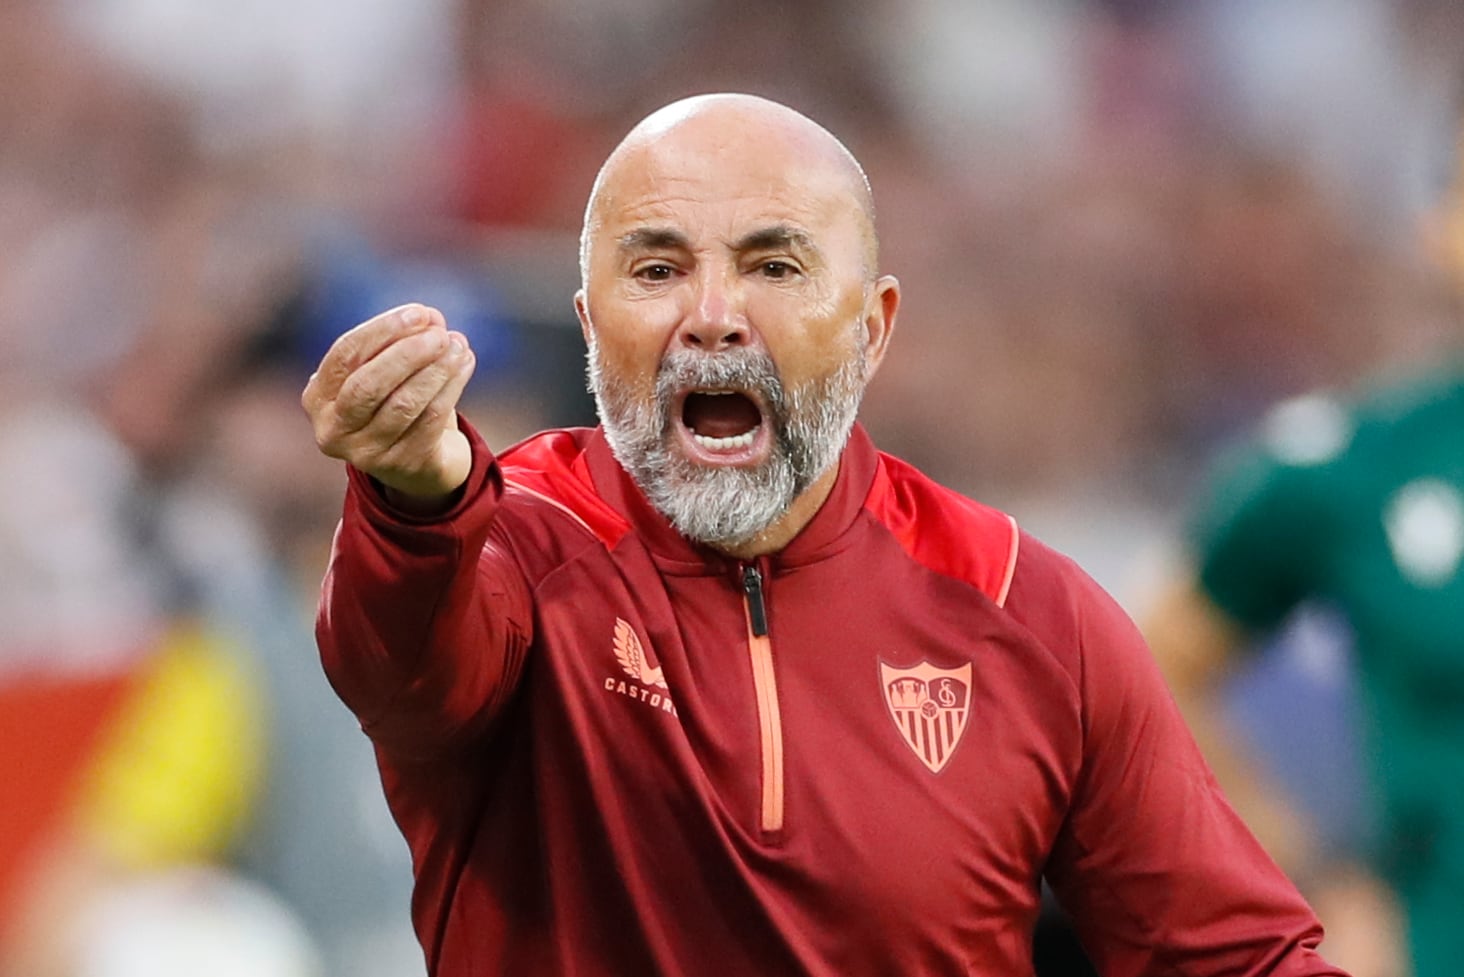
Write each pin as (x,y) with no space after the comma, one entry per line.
(1125,230)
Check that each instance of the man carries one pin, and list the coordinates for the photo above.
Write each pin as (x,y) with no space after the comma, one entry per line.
(1359,507)
(716,687)
(1353,507)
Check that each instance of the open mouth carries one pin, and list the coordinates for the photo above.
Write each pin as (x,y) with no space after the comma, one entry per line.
(727,424)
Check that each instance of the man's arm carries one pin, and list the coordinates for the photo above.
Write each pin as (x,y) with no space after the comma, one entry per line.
(1197,646)
(1158,872)
(423,619)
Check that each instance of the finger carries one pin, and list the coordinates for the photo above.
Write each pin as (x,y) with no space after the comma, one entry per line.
(363,343)
(467,364)
(403,404)
(423,433)
(393,380)
(444,402)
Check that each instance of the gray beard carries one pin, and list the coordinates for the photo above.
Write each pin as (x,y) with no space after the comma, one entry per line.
(728,507)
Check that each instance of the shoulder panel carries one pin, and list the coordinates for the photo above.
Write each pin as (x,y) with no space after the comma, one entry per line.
(551,467)
(943,530)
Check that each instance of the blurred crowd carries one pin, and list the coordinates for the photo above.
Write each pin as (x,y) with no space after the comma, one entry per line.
(1125,229)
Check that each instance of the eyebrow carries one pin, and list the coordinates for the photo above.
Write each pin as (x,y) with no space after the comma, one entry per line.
(776,237)
(654,239)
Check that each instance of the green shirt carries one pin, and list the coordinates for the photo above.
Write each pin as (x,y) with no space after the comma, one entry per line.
(1363,508)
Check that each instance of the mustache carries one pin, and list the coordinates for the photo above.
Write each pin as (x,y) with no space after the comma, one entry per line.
(739,369)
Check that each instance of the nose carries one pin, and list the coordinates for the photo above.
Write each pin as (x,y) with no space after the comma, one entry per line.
(716,320)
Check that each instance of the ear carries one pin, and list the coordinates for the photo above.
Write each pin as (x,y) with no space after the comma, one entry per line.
(582,312)
(880,310)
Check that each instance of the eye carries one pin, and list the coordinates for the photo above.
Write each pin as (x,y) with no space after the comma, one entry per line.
(658,272)
(777,270)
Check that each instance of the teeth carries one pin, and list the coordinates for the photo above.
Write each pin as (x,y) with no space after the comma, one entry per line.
(743,440)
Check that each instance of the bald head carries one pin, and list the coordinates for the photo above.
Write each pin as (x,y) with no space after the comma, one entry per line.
(762,137)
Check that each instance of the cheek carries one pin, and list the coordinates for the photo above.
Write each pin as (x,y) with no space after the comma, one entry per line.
(637,322)
(814,346)
(629,359)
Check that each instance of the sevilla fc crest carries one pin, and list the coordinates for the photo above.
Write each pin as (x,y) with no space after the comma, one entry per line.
(929,706)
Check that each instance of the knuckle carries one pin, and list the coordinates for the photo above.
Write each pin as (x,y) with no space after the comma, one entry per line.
(401,410)
(330,445)
(324,431)
(405,405)
(353,390)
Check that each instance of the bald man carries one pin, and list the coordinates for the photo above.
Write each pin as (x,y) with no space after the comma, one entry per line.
(718,688)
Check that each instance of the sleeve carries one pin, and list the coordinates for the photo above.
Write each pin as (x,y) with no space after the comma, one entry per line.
(1257,536)
(423,624)
(1158,872)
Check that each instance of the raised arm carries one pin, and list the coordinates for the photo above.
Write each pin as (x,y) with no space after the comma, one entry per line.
(423,617)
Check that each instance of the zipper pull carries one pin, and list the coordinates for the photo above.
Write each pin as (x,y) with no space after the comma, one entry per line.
(757,613)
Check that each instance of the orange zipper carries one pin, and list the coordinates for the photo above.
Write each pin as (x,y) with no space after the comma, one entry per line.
(765,684)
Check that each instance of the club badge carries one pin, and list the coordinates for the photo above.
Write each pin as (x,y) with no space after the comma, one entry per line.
(929,706)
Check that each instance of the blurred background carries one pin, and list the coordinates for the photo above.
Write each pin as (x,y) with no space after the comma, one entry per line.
(1126,229)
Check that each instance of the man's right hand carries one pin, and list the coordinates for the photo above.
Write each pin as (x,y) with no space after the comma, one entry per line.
(384,400)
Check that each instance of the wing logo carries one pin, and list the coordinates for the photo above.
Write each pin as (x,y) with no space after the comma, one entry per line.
(647,684)
(929,706)
(632,656)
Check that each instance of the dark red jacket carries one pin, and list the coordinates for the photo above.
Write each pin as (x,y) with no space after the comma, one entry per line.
(616,753)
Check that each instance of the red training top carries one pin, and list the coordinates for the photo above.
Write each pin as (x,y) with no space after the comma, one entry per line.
(613,752)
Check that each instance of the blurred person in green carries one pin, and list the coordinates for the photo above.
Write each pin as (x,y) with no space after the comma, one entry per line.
(1354,505)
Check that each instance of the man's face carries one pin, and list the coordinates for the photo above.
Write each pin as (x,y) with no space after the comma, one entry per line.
(726,305)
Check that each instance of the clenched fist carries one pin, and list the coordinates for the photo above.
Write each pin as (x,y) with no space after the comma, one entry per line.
(384,400)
